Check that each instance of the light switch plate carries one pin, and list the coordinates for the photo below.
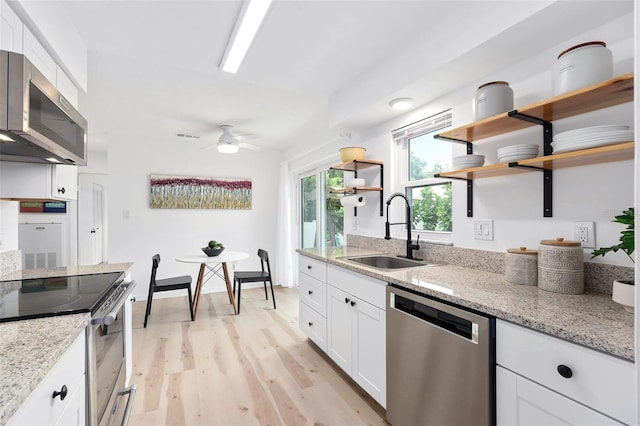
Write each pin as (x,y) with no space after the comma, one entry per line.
(483,229)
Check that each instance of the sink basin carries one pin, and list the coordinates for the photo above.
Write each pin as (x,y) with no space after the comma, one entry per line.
(388,262)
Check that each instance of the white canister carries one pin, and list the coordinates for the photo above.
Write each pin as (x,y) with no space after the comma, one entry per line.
(492,98)
(582,65)
(561,266)
(522,266)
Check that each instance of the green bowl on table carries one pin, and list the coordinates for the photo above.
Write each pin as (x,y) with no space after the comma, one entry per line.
(211,252)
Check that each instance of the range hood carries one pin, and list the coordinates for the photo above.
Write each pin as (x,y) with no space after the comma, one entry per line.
(37,124)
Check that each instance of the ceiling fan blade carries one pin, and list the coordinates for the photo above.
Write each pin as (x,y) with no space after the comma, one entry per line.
(249,146)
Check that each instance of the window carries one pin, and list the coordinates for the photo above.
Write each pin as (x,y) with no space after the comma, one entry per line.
(420,157)
(317,201)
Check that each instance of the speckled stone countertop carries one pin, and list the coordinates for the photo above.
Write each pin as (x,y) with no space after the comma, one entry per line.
(30,348)
(590,319)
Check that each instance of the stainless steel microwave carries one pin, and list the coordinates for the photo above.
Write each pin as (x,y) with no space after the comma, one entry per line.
(37,124)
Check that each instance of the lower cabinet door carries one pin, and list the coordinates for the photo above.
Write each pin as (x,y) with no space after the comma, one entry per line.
(521,402)
(339,328)
(74,413)
(369,350)
(313,325)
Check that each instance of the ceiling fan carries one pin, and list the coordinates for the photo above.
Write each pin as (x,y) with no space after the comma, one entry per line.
(228,142)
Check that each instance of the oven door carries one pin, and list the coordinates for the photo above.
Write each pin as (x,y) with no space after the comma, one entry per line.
(106,370)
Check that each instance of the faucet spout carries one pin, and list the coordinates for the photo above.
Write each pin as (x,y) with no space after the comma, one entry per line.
(407,222)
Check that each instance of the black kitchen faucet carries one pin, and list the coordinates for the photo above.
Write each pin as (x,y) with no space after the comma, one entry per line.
(407,222)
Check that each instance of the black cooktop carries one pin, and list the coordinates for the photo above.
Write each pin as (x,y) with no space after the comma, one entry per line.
(52,296)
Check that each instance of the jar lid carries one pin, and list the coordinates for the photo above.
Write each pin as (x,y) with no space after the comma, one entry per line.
(560,242)
(522,250)
(578,46)
(493,82)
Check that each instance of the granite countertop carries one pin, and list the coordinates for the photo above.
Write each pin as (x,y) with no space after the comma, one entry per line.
(590,319)
(30,348)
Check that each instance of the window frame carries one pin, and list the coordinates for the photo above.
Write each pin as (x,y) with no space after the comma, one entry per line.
(401,139)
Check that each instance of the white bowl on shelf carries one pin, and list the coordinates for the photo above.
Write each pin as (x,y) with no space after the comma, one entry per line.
(467,161)
(355,182)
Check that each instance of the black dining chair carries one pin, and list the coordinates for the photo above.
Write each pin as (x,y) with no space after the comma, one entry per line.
(240,277)
(166,284)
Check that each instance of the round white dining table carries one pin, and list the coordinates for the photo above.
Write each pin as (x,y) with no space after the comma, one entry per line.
(210,266)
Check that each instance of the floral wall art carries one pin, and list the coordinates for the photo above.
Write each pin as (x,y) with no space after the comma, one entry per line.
(185,192)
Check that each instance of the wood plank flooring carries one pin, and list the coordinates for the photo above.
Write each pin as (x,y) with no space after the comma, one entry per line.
(256,368)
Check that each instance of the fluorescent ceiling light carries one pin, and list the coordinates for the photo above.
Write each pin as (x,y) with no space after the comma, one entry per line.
(401,104)
(245,30)
(5,138)
(53,160)
(227,148)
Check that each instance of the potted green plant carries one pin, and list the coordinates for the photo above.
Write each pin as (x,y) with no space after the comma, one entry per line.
(623,290)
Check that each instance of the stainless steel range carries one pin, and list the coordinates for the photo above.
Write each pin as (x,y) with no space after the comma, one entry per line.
(102,295)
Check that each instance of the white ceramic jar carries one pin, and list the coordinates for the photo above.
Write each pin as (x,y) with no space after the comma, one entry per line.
(491,99)
(561,266)
(582,65)
(522,266)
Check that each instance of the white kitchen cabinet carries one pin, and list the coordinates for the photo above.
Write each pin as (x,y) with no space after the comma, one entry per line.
(10,29)
(38,181)
(523,402)
(38,55)
(66,87)
(42,408)
(312,275)
(555,379)
(356,328)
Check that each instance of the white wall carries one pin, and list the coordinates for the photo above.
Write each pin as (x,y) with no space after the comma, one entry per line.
(9,225)
(135,150)
(514,202)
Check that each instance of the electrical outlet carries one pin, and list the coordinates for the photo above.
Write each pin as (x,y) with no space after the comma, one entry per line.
(483,229)
(585,233)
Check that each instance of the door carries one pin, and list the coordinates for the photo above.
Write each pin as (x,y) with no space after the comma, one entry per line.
(339,328)
(369,350)
(521,402)
(322,214)
(91,219)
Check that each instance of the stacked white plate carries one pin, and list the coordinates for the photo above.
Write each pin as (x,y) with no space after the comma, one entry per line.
(467,161)
(517,152)
(591,137)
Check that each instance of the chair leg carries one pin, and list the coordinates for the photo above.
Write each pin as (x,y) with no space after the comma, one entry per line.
(234,287)
(148,310)
(190,302)
(273,296)
(239,290)
(265,289)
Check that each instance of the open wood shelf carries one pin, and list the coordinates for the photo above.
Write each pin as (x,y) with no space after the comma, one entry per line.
(355,189)
(356,165)
(583,157)
(615,91)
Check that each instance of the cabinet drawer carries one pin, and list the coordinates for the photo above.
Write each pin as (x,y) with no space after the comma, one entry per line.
(315,268)
(598,380)
(314,293)
(313,325)
(369,289)
(40,407)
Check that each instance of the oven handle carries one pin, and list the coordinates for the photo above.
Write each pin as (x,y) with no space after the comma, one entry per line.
(131,392)
(110,318)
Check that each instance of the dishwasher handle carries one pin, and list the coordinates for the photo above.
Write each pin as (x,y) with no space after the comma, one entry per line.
(427,312)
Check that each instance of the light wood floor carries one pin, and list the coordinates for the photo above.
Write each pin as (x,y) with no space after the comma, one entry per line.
(250,369)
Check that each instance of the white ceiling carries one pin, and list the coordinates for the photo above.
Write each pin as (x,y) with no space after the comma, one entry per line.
(315,69)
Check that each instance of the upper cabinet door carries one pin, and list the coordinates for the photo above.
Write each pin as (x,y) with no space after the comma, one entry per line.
(36,53)
(10,29)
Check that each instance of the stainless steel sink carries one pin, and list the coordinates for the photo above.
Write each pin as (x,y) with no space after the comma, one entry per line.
(388,262)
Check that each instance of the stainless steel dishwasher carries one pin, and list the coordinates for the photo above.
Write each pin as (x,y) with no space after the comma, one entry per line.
(440,363)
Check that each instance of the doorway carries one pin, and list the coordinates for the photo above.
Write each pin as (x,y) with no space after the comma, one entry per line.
(91,218)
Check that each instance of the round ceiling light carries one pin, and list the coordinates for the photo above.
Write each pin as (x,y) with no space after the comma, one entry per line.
(227,148)
(401,104)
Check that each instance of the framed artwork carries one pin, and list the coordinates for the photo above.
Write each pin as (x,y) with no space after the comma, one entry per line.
(187,192)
